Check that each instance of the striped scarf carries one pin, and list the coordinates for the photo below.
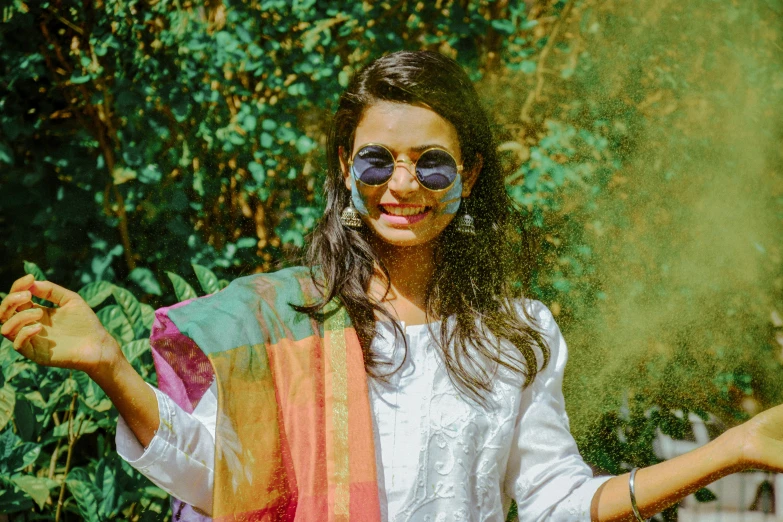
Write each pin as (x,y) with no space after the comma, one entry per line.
(294,438)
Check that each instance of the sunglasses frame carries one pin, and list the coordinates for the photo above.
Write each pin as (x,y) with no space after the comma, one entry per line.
(460,166)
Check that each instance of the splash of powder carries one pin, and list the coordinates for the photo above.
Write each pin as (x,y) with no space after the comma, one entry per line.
(688,237)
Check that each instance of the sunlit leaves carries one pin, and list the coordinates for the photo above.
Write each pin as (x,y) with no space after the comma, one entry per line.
(181,287)
(6,154)
(7,403)
(30,453)
(84,491)
(90,393)
(147,316)
(131,308)
(134,349)
(82,425)
(36,487)
(117,324)
(96,293)
(146,280)
(211,93)
(32,268)
(207,279)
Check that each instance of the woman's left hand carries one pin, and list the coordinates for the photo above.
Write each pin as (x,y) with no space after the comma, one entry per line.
(761,440)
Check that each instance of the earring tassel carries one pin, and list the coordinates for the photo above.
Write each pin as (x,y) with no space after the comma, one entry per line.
(465,225)
(350,218)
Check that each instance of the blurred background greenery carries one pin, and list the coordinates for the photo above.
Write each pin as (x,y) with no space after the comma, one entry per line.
(642,138)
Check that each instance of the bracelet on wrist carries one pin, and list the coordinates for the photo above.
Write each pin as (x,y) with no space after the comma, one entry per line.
(632,490)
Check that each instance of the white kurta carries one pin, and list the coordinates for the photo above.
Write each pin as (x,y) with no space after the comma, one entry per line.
(440,458)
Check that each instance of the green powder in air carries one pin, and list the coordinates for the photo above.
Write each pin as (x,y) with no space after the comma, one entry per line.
(688,235)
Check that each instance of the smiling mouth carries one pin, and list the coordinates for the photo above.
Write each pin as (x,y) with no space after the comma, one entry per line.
(406,211)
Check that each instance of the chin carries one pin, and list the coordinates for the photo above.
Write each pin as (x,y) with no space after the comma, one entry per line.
(404,241)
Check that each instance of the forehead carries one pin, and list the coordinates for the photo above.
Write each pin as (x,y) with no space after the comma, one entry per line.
(405,128)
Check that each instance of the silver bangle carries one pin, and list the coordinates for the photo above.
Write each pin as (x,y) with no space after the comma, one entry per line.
(631,487)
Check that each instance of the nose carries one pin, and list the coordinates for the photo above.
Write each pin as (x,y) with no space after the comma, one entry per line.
(403,179)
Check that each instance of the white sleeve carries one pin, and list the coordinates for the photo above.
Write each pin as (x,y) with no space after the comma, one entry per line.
(180,458)
(546,475)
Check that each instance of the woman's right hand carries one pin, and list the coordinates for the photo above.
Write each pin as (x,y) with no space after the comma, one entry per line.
(69,336)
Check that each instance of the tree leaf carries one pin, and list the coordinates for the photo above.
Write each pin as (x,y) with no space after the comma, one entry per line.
(6,154)
(206,278)
(131,307)
(106,481)
(81,426)
(79,79)
(7,357)
(95,293)
(91,394)
(14,454)
(705,495)
(147,316)
(27,453)
(181,288)
(114,320)
(84,492)
(36,397)
(32,268)
(146,280)
(14,501)
(36,487)
(25,419)
(8,440)
(7,403)
(134,349)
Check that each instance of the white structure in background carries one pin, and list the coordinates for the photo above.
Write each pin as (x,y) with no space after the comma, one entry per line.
(742,497)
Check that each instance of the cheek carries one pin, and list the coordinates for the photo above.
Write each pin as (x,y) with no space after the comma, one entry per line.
(448,202)
(362,199)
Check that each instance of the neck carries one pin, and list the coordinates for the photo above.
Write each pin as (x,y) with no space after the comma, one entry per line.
(410,271)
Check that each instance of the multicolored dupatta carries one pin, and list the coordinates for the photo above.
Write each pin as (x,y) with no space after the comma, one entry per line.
(294,438)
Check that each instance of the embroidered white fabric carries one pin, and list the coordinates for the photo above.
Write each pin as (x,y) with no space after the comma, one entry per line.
(440,458)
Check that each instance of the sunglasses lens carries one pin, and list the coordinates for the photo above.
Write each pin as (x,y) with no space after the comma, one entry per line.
(373,165)
(436,169)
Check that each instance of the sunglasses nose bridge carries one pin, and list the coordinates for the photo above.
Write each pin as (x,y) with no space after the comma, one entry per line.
(407,164)
(404,179)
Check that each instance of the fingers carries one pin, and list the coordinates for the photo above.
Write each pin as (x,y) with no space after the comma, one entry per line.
(11,328)
(18,297)
(13,303)
(26,334)
(23,283)
(52,292)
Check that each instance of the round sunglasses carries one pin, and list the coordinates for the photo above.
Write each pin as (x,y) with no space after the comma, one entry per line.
(435,169)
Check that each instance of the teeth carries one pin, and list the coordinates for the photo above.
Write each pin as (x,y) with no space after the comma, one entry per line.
(404,211)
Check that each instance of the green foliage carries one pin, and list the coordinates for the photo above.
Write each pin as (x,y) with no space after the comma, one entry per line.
(46,411)
(181,288)
(170,133)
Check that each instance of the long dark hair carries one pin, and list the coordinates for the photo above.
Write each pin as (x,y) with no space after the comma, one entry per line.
(478,278)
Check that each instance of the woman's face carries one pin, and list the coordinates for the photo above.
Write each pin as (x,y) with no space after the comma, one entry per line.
(402,212)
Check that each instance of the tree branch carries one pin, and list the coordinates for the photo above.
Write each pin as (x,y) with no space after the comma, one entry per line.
(534,94)
(102,129)
(71,443)
(124,233)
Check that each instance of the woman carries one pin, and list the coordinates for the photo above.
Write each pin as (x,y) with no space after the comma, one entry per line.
(402,376)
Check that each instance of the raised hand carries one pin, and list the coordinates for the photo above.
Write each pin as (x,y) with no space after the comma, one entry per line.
(760,440)
(69,336)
